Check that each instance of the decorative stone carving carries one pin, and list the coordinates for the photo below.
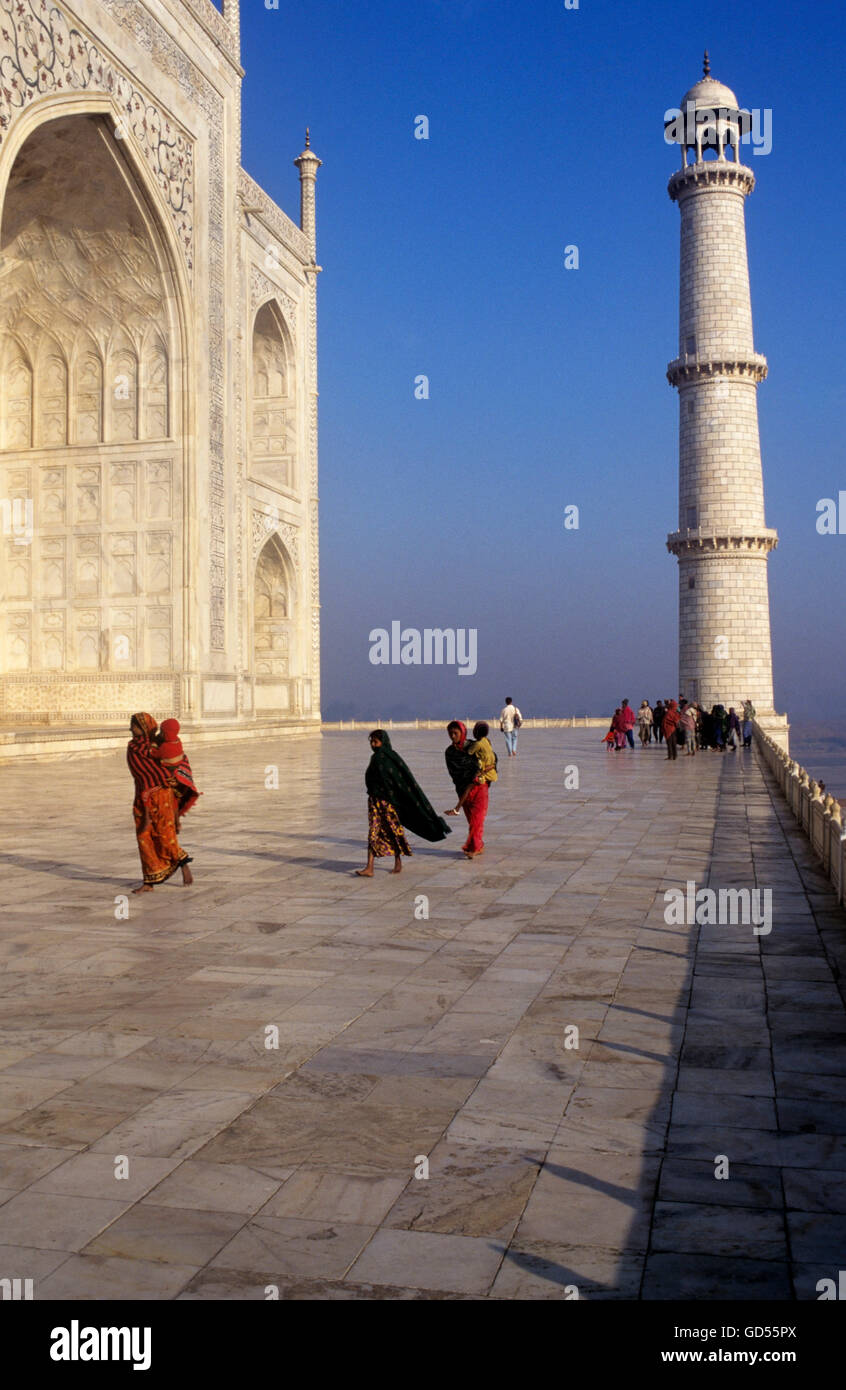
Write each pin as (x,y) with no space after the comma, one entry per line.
(41,51)
(267,523)
(252,195)
(261,288)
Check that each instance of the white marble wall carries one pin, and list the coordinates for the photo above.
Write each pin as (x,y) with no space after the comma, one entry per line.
(150,501)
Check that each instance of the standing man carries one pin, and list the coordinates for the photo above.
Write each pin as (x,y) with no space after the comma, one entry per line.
(510,720)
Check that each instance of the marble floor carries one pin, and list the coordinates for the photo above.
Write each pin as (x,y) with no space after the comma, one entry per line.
(238,1090)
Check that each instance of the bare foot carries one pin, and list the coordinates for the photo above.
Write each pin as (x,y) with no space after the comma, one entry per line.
(397,869)
(145,888)
(364,873)
(451,813)
(187,876)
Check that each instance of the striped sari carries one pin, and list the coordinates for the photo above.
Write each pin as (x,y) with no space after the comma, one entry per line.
(155,807)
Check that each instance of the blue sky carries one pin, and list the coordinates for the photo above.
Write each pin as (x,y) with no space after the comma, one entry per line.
(446,257)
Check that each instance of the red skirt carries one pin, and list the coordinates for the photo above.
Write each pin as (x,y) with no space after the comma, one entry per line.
(475,809)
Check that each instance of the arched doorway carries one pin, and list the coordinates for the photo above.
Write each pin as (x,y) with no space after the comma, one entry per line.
(274,631)
(272,437)
(90,412)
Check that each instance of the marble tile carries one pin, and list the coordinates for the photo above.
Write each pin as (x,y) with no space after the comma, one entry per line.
(543,1270)
(707,1277)
(747,1185)
(275,1247)
(172,1235)
(23,1164)
(734,1231)
(424,1260)
(470,1191)
(100,1277)
(52,1222)
(95,1175)
(320,1194)
(228,1187)
(175,1123)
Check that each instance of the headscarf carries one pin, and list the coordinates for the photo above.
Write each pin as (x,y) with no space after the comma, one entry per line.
(147,725)
(145,768)
(388,778)
(461,765)
(671,718)
(170,730)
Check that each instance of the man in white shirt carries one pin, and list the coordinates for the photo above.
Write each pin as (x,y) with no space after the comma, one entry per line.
(510,720)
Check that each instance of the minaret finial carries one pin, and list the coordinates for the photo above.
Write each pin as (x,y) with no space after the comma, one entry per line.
(308,141)
(706,66)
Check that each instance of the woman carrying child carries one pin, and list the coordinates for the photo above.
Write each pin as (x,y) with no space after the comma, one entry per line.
(474,799)
(155,809)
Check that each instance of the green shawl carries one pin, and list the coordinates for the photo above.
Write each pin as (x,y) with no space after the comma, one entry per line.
(388,778)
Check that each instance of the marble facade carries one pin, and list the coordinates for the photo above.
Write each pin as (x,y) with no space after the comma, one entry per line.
(158,402)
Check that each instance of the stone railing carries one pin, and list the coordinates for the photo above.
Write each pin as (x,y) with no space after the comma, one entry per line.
(575,721)
(816,810)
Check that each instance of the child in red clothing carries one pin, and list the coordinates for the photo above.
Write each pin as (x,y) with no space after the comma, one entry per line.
(169,749)
(170,753)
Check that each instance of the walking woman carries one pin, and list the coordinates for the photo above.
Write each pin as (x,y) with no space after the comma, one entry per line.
(464,769)
(155,809)
(394,800)
(474,799)
(461,765)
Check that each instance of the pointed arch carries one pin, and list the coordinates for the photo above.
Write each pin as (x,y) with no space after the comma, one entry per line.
(17,382)
(274,601)
(87,404)
(98,260)
(273,405)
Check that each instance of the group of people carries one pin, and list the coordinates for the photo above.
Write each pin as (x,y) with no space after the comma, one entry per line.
(165,790)
(396,803)
(683,724)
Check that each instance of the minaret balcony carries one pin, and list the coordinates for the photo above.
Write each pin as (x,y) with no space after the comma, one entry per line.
(711,173)
(751,366)
(707,541)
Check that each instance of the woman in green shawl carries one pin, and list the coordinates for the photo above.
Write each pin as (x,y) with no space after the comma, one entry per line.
(394,800)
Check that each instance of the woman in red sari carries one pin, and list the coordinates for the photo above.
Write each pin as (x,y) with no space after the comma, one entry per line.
(155,809)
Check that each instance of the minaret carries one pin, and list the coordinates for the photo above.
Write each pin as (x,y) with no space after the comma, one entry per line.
(722,542)
(308,164)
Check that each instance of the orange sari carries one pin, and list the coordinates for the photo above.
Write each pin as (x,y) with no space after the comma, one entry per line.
(155,808)
(155,831)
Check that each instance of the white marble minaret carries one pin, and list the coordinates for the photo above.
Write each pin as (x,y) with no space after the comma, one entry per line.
(723,542)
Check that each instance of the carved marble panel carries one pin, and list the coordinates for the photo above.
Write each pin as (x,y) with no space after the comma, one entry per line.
(87,492)
(122,568)
(18,641)
(87,567)
(52,496)
(159,638)
(159,490)
(158,562)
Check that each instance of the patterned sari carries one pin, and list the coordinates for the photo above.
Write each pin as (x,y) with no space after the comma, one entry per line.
(155,807)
